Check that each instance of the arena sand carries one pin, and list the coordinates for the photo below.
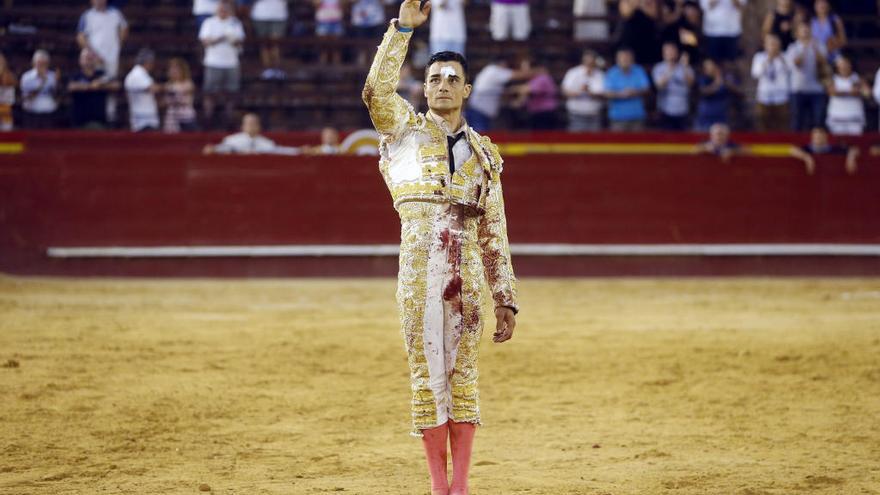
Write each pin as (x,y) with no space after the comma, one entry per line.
(707,386)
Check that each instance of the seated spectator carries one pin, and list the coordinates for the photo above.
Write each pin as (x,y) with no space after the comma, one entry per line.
(828,28)
(716,89)
(846,110)
(448,27)
(270,25)
(773,74)
(88,91)
(625,87)
(722,26)
(329,143)
(820,145)
(203,9)
(368,22)
(489,87)
(684,27)
(8,82)
(141,90)
(38,89)
(540,99)
(249,141)
(222,36)
(328,24)
(807,59)
(584,86)
(638,31)
(673,78)
(103,29)
(180,115)
(592,29)
(719,143)
(877,87)
(510,19)
(781,21)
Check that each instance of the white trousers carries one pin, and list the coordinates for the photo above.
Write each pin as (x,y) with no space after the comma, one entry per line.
(510,21)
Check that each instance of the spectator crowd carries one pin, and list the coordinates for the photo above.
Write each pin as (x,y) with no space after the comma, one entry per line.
(674,65)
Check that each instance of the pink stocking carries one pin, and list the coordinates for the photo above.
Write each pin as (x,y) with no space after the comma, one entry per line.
(434,440)
(461,437)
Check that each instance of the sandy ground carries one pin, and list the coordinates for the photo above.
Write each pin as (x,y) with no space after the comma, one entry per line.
(736,386)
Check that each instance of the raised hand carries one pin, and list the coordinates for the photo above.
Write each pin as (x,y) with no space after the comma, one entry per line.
(413,14)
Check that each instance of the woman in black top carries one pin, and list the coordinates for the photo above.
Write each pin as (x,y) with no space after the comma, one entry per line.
(781,22)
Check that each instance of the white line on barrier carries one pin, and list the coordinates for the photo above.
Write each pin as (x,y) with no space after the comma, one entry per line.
(516,249)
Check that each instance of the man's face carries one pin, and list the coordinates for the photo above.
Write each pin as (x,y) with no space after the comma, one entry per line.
(41,64)
(250,125)
(589,60)
(87,60)
(719,134)
(772,45)
(670,52)
(223,10)
(445,86)
(818,138)
(624,59)
(329,136)
(804,32)
(99,4)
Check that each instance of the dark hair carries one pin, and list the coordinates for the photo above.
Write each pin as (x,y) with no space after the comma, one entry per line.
(448,56)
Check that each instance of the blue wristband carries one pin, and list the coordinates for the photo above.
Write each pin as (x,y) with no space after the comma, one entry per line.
(403,29)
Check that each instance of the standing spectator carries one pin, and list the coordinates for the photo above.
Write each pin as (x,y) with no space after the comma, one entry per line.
(222,36)
(328,25)
(716,89)
(8,82)
(368,21)
(540,98)
(203,9)
(583,86)
(820,145)
(625,87)
(88,91)
(141,89)
(270,25)
(685,27)
(103,29)
(180,115)
(722,26)
(38,89)
(828,28)
(638,31)
(448,28)
(773,74)
(673,78)
(489,86)
(846,110)
(781,21)
(510,19)
(807,59)
(592,29)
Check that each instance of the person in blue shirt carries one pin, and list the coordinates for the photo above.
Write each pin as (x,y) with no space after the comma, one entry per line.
(625,86)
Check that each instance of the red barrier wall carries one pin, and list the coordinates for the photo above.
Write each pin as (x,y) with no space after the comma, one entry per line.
(63,195)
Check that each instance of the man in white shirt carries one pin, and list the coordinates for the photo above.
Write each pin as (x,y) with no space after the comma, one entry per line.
(249,141)
(38,88)
(103,29)
(876,91)
(583,86)
(448,29)
(141,90)
(722,26)
(484,104)
(806,56)
(773,74)
(222,36)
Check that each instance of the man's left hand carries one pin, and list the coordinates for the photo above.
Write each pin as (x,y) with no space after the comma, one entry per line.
(505,323)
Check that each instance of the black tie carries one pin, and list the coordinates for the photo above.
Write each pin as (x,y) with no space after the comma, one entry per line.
(451,140)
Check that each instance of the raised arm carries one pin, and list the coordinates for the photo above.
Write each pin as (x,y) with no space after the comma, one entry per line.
(388,110)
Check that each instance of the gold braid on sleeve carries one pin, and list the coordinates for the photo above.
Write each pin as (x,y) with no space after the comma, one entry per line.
(391,114)
(494,248)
